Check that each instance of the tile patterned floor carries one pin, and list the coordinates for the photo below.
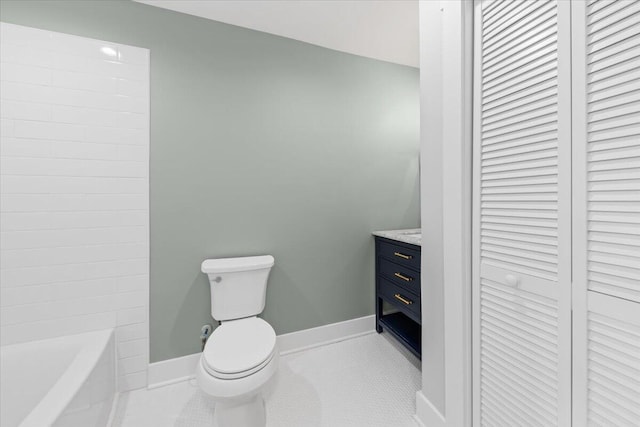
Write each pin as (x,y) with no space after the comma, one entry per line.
(369,381)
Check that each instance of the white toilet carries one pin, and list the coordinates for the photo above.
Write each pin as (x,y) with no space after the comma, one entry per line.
(240,356)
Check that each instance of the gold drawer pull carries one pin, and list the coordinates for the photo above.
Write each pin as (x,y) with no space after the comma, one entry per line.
(402,255)
(404,300)
(403,277)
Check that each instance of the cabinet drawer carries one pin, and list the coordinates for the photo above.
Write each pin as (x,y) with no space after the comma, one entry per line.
(400,275)
(402,255)
(399,298)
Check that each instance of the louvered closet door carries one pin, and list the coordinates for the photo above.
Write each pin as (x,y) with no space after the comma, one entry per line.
(606,146)
(522,211)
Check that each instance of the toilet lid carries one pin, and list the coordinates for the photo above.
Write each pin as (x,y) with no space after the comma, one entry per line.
(239,345)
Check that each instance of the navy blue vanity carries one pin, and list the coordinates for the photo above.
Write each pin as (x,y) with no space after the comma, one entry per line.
(398,286)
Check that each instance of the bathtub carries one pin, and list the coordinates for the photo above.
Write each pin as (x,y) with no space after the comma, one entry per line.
(67,381)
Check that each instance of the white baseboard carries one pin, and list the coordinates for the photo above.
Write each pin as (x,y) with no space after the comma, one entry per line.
(173,370)
(183,368)
(327,334)
(426,413)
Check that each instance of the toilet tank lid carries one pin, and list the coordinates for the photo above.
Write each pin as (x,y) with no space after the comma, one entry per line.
(230,265)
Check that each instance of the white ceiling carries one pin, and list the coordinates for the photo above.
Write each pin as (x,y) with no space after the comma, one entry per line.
(379,29)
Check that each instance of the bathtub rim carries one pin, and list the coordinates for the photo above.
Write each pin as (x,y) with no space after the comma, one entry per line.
(65,389)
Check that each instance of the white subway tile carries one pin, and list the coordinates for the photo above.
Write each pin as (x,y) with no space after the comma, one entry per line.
(83,81)
(24,202)
(132,104)
(122,169)
(26,184)
(107,221)
(22,184)
(132,332)
(25,295)
(83,289)
(85,47)
(7,128)
(116,68)
(23,147)
(84,115)
(132,300)
(116,135)
(29,313)
(74,252)
(133,55)
(116,201)
(40,275)
(133,348)
(22,221)
(132,283)
(21,54)
(83,98)
(33,331)
(27,92)
(106,67)
(97,270)
(12,72)
(25,110)
(48,130)
(56,239)
(30,166)
(52,254)
(71,306)
(133,364)
(131,88)
(132,381)
(138,153)
(84,150)
(132,120)
(69,61)
(129,316)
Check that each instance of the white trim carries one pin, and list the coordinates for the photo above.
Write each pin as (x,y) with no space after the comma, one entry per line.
(457,201)
(579,211)
(327,334)
(171,371)
(426,413)
(183,368)
(114,409)
(449,47)
(564,221)
(475,226)
(431,174)
(446,31)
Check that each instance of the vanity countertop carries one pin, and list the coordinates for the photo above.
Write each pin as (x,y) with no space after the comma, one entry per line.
(412,235)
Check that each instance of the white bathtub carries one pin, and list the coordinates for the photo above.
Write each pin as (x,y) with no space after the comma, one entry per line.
(66,382)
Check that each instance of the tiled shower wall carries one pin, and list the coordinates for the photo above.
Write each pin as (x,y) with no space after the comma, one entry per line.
(74,188)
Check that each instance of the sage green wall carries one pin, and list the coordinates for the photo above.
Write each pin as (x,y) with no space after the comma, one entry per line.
(259,145)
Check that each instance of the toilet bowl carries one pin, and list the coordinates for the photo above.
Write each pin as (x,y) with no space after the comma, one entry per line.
(241,356)
(239,360)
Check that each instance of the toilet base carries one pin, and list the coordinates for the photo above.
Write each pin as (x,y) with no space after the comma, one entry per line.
(246,413)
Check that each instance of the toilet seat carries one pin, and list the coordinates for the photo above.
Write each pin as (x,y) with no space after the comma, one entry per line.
(239,348)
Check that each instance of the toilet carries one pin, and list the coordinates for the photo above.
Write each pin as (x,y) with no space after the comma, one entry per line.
(240,356)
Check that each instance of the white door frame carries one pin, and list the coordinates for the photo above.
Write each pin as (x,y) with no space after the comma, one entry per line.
(454,54)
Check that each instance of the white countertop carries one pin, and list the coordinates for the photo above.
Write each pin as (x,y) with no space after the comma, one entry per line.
(412,236)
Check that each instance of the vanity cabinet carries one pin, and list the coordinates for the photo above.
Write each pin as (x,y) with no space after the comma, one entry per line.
(398,285)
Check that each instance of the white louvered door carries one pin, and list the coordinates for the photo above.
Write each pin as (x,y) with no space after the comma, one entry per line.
(606,182)
(522,214)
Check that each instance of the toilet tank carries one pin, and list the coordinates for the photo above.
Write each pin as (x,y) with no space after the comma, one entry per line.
(238,285)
